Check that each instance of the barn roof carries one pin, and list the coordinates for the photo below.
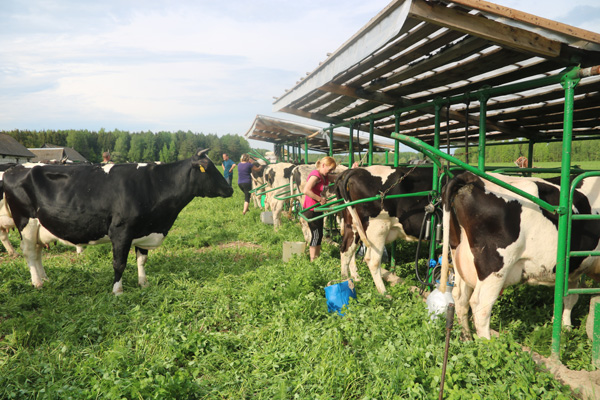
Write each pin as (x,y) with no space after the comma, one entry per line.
(279,131)
(53,152)
(9,147)
(415,51)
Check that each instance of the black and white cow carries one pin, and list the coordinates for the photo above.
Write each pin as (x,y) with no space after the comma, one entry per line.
(498,239)
(378,222)
(124,204)
(6,222)
(257,176)
(277,175)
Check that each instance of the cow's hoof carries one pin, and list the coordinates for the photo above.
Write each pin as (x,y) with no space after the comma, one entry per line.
(118,293)
(144,283)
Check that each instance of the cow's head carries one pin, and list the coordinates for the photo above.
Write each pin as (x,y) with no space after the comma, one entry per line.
(212,182)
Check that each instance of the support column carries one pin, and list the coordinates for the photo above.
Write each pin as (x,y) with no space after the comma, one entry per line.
(397,143)
(569,81)
(371,129)
(483,98)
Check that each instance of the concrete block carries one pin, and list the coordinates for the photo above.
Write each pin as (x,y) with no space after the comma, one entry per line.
(291,248)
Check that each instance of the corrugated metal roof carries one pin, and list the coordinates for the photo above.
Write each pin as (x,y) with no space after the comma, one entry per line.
(415,51)
(279,131)
(11,148)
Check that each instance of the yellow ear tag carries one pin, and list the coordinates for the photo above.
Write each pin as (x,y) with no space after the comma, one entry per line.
(202,169)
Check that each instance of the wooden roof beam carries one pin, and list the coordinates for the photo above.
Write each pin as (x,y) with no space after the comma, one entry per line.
(476,25)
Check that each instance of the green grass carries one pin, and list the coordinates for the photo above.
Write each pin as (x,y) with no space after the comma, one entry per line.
(225,318)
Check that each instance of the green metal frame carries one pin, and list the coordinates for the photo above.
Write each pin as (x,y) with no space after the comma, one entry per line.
(568,79)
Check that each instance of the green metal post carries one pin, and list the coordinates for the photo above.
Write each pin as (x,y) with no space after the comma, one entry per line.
(569,82)
(305,151)
(483,98)
(530,154)
(435,184)
(596,336)
(331,142)
(350,148)
(397,143)
(371,129)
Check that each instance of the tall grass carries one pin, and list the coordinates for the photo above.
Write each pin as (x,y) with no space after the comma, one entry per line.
(225,318)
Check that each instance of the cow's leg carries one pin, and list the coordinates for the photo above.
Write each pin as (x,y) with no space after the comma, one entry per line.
(277,207)
(120,251)
(348,260)
(33,252)
(7,245)
(141,256)
(377,232)
(569,302)
(484,296)
(305,230)
(461,295)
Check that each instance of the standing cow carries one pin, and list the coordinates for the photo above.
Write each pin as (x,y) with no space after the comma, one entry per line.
(6,222)
(498,238)
(379,222)
(124,204)
(277,175)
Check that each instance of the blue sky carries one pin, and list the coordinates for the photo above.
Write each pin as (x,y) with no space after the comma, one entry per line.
(199,65)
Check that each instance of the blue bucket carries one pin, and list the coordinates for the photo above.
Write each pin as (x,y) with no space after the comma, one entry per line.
(338,295)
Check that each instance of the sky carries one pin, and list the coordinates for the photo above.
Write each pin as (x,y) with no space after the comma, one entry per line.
(166,65)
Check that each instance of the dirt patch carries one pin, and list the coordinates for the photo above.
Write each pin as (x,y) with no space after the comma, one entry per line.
(231,245)
(586,384)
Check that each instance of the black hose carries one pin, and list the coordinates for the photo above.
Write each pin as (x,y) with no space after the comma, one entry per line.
(424,283)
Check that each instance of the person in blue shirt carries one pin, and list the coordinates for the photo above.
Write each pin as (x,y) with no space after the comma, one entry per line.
(228,167)
(245,179)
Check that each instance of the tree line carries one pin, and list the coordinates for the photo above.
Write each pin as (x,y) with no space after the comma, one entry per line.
(582,150)
(137,146)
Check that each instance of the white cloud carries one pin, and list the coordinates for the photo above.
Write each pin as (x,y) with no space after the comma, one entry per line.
(161,65)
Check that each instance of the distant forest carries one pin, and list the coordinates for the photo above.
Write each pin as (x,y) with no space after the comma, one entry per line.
(172,146)
(136,147)
(582,150)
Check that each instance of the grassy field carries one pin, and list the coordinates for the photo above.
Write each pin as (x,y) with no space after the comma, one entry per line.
(225,318)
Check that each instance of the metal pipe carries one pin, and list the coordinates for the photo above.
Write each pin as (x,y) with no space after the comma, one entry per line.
(419,145)
(569,82)
(449,323)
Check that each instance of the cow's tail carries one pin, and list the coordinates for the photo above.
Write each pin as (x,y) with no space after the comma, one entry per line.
(292,182)
(342,191)
(448,193)
(445,246)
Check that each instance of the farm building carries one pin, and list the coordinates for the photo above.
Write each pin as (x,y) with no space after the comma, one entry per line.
(50,152)
(12,151)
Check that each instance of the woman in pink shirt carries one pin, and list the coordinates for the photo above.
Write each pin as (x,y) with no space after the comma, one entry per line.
(316,182)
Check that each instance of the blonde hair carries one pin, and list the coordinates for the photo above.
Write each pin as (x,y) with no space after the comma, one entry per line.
(245,158)
(329,161)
